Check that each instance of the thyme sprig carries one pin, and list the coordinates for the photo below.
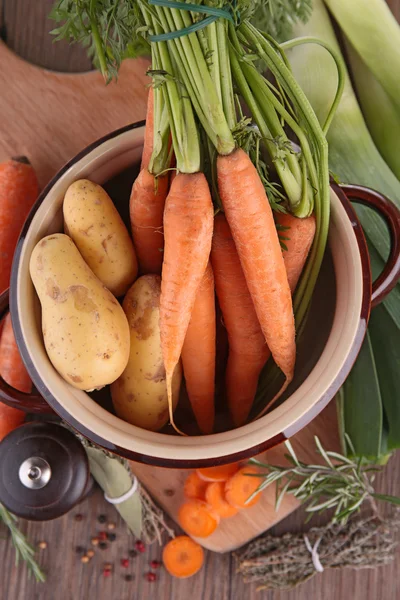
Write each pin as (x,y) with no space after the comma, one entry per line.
(340,484)
(23,550)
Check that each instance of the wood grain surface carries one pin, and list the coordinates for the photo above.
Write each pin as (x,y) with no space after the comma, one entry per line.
(26,26)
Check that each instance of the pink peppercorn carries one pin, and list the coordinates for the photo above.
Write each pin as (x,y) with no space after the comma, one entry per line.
(151,577)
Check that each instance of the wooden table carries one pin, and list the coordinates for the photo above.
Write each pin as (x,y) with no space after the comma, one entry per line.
(24,26)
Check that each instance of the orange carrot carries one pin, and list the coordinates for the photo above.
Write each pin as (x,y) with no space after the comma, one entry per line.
(188,226)
(300,236)
(146,213)
(220,473)
(197,519)
(13,371)
(195,487)
(248,351)
(18,192)
(251,221)
(215,497)
(183,557)
(148,132)
(241,486)
(198,354)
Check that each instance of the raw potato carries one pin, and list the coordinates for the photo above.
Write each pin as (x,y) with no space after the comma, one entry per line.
(140,394)
(95,226)
(85,330)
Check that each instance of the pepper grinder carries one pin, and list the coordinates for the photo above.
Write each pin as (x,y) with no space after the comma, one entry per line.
(44,471)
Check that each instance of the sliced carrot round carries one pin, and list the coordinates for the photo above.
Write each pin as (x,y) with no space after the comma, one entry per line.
(215,497)
(195,487)
(197,518)
(183,557)
(220,473)
(241,486)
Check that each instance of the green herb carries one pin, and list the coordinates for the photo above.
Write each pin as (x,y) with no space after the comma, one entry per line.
(23,550)
(340,484)
(277,17)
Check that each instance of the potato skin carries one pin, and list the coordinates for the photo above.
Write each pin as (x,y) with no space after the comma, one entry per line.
(85,330)
(140,394)
(95,226)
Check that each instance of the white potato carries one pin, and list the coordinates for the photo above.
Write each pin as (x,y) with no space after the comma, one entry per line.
(95,226)
(140,394)
(85,330)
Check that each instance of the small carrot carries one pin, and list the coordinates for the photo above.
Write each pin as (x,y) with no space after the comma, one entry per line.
(194,487)
(198,354)
(197,519)
(146,210)
(251,221)
(149,131)
(215,497)
(13,371)
(219,473)
(183,557)
(18,191)
(188,226)
(241,486)
(298,237)
(248,351)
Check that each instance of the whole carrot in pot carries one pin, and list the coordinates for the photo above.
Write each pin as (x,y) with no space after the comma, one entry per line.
(198,354)
(253,229)
(298,236)
(248,351)
(18,191)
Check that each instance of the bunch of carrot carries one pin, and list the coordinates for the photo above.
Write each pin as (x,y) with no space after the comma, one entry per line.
(211,494)
(218,233)
(18,191)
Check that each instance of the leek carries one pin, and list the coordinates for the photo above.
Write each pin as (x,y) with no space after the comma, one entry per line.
(374,101)
(353,156)
(375,34)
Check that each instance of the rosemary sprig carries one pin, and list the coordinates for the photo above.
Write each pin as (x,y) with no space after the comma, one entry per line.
(341,484)
(23,550)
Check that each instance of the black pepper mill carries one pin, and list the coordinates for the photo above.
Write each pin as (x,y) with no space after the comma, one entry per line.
(44,471)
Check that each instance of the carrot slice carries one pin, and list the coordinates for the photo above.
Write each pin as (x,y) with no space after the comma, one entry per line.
(241,486)
(196,518)
(195,487)
(220,473)
(215,497)
(183,557)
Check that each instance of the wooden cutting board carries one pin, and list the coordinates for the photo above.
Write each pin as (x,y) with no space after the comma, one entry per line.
(50,117)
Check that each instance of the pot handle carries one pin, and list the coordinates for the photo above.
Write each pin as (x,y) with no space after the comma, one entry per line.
(390,275)
(31,403)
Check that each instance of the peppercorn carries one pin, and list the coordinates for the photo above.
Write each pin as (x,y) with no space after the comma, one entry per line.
(132,553)
(78,517)
(107,572)
(151,576)
(129,577)
(80,550)
(102,518)
(102,535)
(94,541)
(155,564)
(111,526)
(90,553)
(124,563)
(103,545)
(42,545)
(111,537)
(140,546)
(107,566)
(85,559)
